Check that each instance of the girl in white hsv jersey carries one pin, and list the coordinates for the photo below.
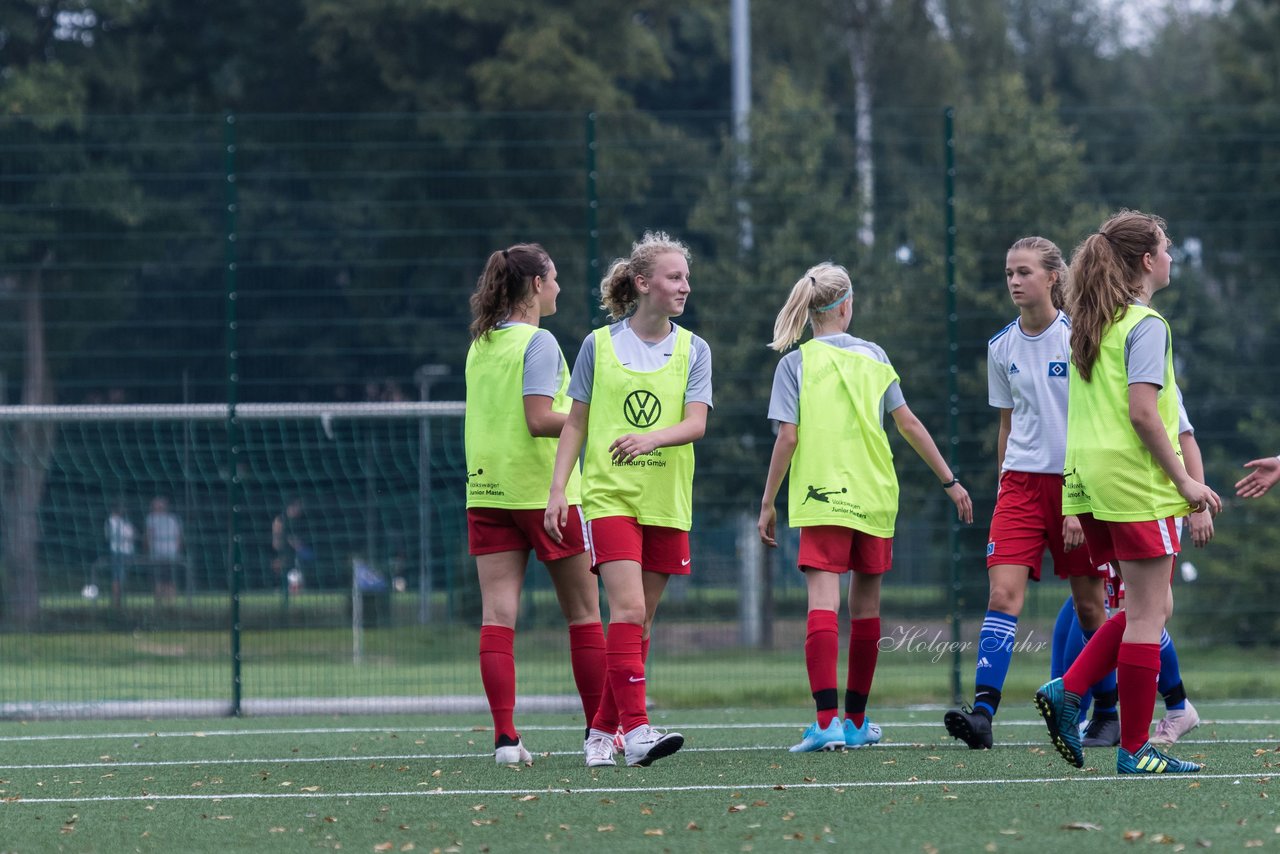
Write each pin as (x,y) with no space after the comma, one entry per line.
(829,401)
(1027,383)
(516,406)
(641,390)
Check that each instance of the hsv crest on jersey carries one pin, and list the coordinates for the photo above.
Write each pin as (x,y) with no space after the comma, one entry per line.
(1057,369)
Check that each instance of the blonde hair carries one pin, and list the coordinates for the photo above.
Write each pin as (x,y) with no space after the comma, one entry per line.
(618,295)
(1051,259)
(822,285)
(1105,278)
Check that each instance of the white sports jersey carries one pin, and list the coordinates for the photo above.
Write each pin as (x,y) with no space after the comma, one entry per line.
(1029,375)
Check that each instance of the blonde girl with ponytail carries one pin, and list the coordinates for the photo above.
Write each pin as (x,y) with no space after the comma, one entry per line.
(828,402)
(641,390)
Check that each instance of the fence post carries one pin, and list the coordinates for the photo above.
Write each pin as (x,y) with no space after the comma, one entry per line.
(593,219)
(953,387)
(235,493)
(750,567)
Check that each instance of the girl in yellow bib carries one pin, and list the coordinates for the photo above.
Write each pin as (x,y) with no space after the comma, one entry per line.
(641,389)
(829,400)
(516,406)
(1124,476)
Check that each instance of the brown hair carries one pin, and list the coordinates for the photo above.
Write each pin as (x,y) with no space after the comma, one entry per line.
(505,283)
(1051,259)
(820,286)
(1105,278)
(618,295)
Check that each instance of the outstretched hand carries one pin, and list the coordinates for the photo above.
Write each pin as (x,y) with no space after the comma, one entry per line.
(1265,474)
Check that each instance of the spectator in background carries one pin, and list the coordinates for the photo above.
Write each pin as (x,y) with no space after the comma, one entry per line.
(164,547)
(291,545)
(120,535)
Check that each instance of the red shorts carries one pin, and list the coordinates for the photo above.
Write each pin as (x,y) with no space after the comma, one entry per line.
(1110,541)
(1028,520)
(496,529)
(1115,584)
(655,548)
(835,548)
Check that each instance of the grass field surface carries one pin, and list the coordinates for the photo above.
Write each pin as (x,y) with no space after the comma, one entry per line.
(430,784)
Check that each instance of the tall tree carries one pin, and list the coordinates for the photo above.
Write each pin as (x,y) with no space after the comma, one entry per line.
(52,55)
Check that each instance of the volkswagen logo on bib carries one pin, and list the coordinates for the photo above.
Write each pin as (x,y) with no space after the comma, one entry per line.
(642,408)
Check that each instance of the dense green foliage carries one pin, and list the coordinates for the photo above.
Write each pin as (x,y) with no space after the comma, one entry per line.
(380,149)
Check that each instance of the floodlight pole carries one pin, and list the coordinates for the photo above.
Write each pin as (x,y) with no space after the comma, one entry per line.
(740,47)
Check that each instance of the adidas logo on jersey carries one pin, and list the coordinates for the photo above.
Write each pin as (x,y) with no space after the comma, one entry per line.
(1013,368)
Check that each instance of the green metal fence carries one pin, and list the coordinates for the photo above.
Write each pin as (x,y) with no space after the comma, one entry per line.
(326,260)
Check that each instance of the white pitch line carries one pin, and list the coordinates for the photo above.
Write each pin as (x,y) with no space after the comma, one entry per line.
(615,790)
(438,757)
(410,731)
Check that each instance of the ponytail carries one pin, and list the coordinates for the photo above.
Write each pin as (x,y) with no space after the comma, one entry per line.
(504,284)
(1105,278)
(820,290)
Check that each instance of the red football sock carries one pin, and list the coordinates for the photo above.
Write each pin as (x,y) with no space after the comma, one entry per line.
(864,650)
(498,673)
(586,656)
(821,654)
(625,675)
(606,716)
(1137,672)
(1098,658)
